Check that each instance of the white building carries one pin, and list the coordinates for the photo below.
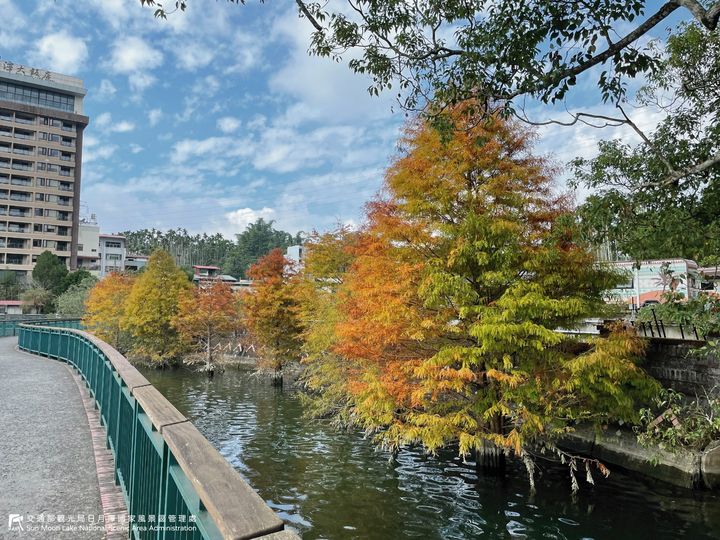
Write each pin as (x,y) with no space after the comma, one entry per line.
(135,263)
(113,253)
(295,254)
(88,257)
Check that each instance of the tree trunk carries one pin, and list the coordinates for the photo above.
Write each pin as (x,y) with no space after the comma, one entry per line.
(208,357)
(490,458)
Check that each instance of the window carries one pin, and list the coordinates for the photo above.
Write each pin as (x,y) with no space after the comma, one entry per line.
(22,119)
(22,165)
(113,244)
(113,257)
(39,212)
(21,93)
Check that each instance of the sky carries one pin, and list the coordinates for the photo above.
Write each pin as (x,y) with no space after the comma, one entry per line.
(218,116)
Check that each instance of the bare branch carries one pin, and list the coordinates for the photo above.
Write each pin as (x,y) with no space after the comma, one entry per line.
(306,12)
(647,141)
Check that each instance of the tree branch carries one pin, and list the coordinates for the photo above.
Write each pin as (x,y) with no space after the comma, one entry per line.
(708,17)
(616,47)
(679,175)
(306,12)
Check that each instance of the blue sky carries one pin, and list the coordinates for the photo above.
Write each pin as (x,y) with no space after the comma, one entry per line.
(218,116)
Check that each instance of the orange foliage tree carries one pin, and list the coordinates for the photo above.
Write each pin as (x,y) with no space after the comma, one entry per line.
(105,309)
(467,266)
(207,314)
(270,312)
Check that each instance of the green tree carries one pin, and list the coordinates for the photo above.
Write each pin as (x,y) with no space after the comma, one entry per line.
(186,249)
(10,287)
(72,301)
(152,306)
(50,272)
(503,50)
(38,297)
(257,240)
(661,198)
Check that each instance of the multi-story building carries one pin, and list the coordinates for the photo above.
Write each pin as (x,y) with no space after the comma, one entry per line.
(135,262)
(41,131)
(113,252)
(88,249)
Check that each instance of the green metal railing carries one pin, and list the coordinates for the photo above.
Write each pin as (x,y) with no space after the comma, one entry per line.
(164,466)
(10,326)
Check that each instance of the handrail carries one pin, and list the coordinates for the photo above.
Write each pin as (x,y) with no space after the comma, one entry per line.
(10,326)
(162,462)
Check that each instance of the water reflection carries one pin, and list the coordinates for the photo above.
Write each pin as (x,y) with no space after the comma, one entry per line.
(335,485)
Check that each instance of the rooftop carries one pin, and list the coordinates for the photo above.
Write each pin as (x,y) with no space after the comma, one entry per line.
(42,78)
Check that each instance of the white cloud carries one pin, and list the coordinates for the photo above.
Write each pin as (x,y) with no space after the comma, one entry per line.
(136,148)
(188,148)
(106,90)
(140,81)
(105,122)
(132,54)
(13,26)
(154,116)
(242,217)
(60,52)
(134,57)
(192,56)
(228,124)
(102,120)
(247,53)
(98,152)
(323,90)
(122,127)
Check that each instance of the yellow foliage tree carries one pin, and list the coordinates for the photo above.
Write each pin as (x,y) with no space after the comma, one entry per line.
(152,306)
(105,309)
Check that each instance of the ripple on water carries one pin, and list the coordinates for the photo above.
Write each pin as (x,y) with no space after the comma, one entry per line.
(335,485)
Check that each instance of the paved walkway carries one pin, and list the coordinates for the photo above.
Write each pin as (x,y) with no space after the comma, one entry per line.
(47,463)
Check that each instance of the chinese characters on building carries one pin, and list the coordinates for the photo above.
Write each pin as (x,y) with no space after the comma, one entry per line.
(18,69)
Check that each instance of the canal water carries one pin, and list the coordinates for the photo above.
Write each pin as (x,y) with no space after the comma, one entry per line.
(335,485)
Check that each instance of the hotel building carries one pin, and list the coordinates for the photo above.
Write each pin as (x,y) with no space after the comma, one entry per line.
(41,131)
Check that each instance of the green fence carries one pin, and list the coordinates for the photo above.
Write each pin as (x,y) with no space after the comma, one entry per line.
(164,466)
(11,326)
